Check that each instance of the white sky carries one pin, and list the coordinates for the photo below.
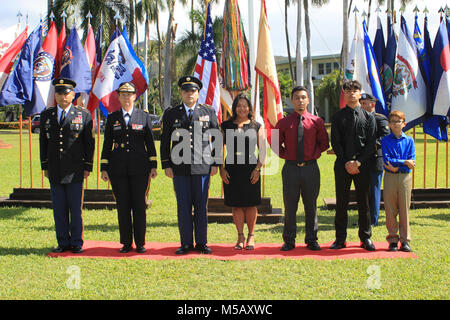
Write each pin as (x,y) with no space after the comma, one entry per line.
(326,22)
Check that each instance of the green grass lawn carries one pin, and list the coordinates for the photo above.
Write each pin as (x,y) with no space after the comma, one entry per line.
(27,235)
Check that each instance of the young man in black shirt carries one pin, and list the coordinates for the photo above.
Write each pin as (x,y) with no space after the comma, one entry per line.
(353,140)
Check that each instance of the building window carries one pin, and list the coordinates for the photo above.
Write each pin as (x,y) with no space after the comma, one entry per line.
(328,68)
(336,66)
(321,69)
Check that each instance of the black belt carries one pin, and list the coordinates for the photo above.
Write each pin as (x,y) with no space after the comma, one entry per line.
(301,164)
(397,172)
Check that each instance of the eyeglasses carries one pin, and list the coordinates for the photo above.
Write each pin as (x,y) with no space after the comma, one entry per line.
(396,121)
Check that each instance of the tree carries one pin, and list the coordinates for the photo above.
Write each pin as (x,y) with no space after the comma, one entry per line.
(189,44)
(299,56)
(330,89)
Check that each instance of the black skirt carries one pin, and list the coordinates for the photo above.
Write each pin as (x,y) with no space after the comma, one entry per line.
(240,192)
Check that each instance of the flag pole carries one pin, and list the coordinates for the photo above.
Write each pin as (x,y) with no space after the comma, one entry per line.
(98,148)
(414,169)
(436,170)
(446,162)
(20,143)
(424,159)
(31,152)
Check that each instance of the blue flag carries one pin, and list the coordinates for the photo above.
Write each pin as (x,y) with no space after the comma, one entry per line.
(424,61)
(389,64)
(427,41)
(18,87)
(379,47)
(374,76)
(436,126)
(74,63)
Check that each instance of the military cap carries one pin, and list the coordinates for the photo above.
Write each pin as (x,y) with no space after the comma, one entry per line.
(189,82)
(366,96)
(63,85)
(127,87)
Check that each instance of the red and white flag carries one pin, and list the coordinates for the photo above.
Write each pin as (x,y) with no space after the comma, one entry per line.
(207,71)
(265,67)
(8,58)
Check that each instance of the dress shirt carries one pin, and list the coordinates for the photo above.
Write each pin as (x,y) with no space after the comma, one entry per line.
(60,110)
(353,134)
(397,150)
(315,136)
(127,119)
(187,109)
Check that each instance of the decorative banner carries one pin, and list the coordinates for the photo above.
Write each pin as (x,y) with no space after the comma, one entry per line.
(234,52)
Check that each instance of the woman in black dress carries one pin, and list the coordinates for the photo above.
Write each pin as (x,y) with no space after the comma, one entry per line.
(241,173)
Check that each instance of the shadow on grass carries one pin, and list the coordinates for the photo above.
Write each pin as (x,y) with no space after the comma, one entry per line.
(326,223)
(24,251)
(11,212)
(107,227)
(440,216)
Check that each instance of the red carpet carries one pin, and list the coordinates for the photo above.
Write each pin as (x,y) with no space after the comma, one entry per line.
(220,251)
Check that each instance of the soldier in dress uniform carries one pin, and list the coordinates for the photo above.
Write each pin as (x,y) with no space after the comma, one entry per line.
(128,160)
(191,167)
(66,149)
(368,103)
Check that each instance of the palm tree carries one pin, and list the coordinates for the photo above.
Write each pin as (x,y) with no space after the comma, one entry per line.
(101,10)
(287,3)
(315,3)
(168,53)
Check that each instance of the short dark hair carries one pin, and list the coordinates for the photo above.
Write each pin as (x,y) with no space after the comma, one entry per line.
(351,84)
(299,88)
(235,103)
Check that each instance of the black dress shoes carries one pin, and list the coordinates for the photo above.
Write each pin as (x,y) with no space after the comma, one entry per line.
(203,248)
(405,247)
(184,249)
(338,245)
(141,249)
(287,247)
(125,249)
(368,245)
(77,249)
(61,249)
(314,246)
(393,246)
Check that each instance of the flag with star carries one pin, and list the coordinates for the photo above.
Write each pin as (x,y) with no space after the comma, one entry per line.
(206,69)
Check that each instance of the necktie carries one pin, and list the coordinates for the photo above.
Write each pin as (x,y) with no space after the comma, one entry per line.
(63,117)
(300,150)
(190,111)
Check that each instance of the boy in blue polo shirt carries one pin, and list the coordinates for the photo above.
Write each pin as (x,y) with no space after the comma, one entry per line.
(399,158)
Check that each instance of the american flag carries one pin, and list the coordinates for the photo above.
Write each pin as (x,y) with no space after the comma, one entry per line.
(206,69)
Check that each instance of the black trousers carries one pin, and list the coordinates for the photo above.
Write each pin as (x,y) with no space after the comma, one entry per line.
(304,181)
(343,181)
(130,191)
